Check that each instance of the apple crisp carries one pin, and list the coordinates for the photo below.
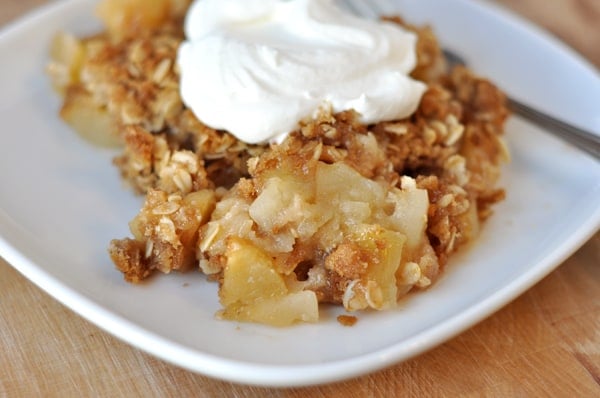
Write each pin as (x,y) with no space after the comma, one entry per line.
(339,212)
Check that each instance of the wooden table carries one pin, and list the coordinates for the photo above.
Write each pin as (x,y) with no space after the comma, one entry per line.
(547,342)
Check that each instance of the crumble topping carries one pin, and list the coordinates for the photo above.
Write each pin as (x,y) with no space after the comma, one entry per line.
(339,212)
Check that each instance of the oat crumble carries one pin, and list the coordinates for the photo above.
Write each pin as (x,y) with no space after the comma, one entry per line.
(339,212)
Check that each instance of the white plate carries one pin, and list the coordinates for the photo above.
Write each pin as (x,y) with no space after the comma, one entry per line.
(61,201)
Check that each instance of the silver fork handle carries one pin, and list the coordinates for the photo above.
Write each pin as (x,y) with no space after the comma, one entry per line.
(582,139)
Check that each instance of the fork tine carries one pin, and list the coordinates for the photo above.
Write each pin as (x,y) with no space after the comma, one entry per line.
(383,7)
(369,8)
(349,5)
(361,8)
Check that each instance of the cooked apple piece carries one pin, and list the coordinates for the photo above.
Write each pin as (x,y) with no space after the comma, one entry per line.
(277,311)
(253,291)
(410,206)
(89,120)
(381,252)
(66,57)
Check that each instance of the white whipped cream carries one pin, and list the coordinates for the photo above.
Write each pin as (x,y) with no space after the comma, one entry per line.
(257,67)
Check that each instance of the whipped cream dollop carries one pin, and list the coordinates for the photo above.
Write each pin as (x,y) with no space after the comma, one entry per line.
(256,68)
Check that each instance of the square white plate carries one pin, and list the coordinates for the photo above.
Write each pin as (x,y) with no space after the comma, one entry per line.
(61,202)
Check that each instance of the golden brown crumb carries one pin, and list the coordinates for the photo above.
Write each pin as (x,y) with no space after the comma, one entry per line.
(165,232)
(128,256)
(430,62)
(347,320)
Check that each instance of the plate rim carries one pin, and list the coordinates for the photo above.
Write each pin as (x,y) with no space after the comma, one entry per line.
(288,375)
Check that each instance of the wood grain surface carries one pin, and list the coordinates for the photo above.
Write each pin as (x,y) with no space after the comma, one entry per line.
(545,343)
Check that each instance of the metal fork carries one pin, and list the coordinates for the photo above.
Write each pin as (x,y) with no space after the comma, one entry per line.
(584,140)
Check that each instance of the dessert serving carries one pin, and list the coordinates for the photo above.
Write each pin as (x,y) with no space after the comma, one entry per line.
(292,152)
